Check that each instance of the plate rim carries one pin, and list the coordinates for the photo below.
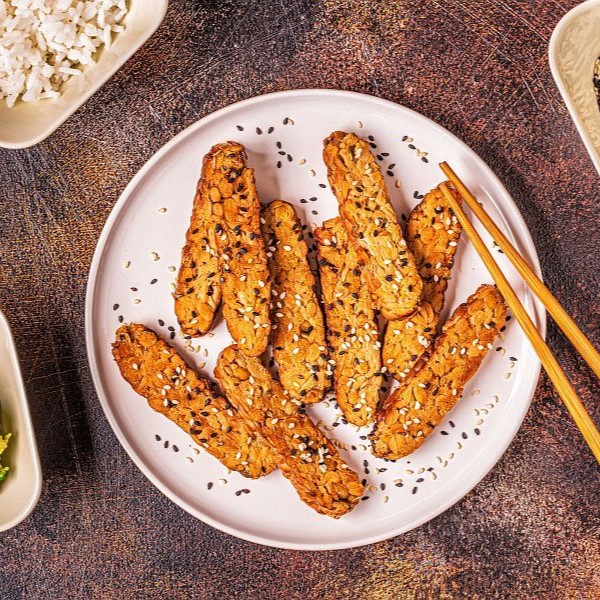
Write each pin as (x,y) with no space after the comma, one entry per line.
(538,310)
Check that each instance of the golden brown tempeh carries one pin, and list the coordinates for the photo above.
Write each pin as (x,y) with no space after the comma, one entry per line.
(307,458)
(245,278)
(432,234)
(198,292)
(410,414)
(298,333)
(156,371)
(357,182)
(352,329)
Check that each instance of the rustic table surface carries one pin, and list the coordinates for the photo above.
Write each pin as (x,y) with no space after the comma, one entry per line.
(479,68)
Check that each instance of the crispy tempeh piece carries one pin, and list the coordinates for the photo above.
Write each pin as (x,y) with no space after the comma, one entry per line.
(306,457)
(198,291)
(298,334)
(352,329)
(369,217)
(245,279)
(432,234)
(156,371)
(410,414)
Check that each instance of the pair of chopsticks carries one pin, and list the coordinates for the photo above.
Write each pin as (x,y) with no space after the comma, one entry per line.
(558,313)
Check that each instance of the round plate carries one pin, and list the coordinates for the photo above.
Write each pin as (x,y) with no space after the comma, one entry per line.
(135,264)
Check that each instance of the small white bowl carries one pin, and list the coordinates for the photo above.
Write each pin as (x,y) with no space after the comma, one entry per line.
(20,491)
(26,124)
(574,48)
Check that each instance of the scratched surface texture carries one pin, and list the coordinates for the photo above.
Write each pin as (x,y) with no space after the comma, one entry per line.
(101,530)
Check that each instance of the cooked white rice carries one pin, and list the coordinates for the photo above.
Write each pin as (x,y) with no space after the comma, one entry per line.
(45,42)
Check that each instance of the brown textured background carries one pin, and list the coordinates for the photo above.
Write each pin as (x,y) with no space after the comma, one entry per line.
(530,529)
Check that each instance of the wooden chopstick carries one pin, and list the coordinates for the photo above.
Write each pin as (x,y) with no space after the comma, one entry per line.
(557,312)
(549,362)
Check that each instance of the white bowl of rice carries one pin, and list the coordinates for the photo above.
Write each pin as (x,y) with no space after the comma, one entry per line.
(54,54)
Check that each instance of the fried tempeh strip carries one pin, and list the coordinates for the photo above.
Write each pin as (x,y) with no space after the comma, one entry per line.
(432,234)
(369,217)
(198,292)
(410,414)
(156,371)
(352,329)
(298,333)
(306,457)
(245,279)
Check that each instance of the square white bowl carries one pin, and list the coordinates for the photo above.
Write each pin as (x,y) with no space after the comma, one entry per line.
(21,489)
(574,48)
(26,124)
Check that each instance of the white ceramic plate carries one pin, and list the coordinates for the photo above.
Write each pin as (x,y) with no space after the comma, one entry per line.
(574,48)
(28,123)
(20,491)
(127,280)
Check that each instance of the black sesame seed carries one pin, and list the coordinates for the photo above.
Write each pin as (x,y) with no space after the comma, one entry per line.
(175,448)
(115,307)
(271,130)
(240,128)
(414,490)
(209,485)
(258,130)
(157,438)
